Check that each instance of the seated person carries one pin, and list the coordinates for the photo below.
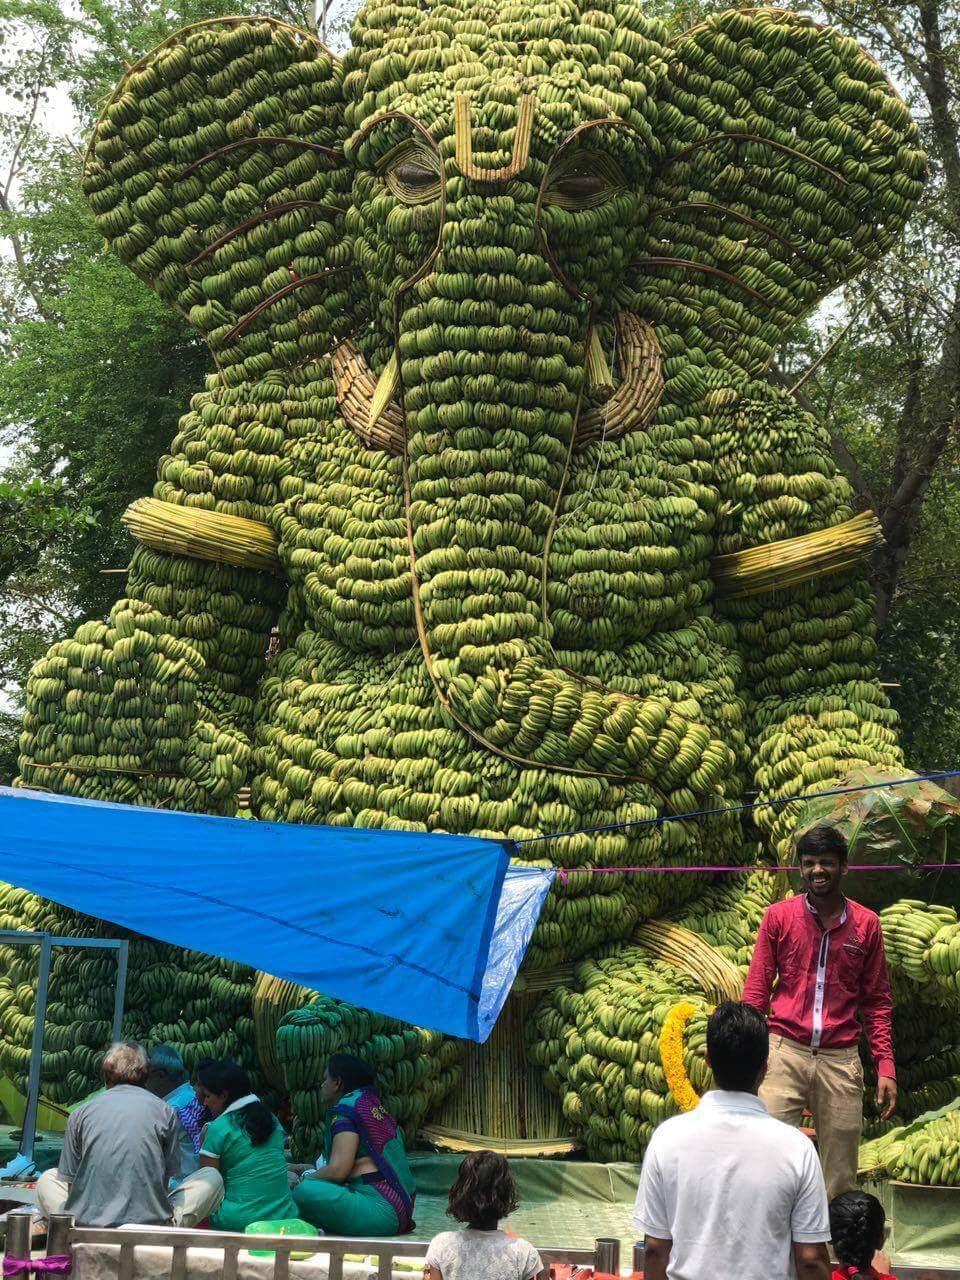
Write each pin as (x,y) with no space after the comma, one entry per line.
(168,1080)
(858,1229)
(483,1193)
(244,1143)
(120,1152)
(365,1187)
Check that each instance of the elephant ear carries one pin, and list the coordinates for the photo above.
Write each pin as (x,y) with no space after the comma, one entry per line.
(216,173)
(791,164)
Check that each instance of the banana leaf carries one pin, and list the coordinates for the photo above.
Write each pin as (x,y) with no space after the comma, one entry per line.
(914,828)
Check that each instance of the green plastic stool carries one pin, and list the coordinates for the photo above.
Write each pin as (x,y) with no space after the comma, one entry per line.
(282,1227)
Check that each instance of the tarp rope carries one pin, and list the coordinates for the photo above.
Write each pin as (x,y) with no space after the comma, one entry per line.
(744,807)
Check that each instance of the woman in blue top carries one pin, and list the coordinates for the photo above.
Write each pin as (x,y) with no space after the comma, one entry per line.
(364,1187)
(244,1141)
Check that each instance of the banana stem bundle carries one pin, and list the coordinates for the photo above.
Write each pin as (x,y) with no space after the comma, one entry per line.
(204,535)
(777,565)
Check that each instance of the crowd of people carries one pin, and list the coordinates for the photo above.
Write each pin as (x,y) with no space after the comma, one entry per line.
(153,1149)
(732,1187)
(725,1188)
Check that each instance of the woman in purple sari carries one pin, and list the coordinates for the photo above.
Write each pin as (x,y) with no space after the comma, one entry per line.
(364,1186)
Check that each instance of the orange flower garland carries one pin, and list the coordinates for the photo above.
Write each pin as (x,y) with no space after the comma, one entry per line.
(671,1055)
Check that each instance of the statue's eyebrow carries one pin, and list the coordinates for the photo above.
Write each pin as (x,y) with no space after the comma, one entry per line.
(369,125)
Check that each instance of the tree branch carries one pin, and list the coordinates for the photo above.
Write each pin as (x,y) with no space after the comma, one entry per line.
(938,95)
(12,236)
(37,97)
(940,419)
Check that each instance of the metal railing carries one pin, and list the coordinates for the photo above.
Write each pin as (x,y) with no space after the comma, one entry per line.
(63,1236)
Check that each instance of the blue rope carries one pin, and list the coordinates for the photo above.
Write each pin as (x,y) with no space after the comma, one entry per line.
(741,808)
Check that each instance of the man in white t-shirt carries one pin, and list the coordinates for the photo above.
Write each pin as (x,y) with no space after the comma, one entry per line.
(726,1190)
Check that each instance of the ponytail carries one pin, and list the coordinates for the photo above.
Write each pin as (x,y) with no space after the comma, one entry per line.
(258,1120)
(229,1079)
(857,1226)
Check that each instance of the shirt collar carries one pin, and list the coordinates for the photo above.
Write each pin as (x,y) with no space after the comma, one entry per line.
(733,1100)
(240,1102)
(841,919)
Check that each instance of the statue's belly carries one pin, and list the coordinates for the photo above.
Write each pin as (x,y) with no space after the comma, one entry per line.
(361,740)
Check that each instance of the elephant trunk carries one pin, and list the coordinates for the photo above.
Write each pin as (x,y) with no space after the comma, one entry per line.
(492,352)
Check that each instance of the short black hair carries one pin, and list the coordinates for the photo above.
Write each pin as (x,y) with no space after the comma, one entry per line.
(821,840)
(738,1043)
(484,1190)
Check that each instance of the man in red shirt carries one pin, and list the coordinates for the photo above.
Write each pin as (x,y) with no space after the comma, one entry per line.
(826,954)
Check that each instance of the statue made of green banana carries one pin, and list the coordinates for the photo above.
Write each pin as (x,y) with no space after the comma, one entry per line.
(489,449)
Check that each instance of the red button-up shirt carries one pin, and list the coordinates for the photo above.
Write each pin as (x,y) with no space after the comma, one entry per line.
(825,977)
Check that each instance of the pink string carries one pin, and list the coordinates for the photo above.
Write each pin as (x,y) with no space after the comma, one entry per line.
(59,1264)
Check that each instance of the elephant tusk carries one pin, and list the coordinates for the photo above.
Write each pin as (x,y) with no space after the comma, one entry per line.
(599,378)
(369,406)
(356,385)
(636,400)
(384,392)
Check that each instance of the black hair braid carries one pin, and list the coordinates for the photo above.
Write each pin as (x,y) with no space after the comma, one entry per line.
(856,1224)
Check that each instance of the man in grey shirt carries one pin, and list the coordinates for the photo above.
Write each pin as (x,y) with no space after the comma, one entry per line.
(120,1151)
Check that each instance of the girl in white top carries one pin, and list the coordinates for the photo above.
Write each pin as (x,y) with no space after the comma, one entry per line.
(483,1193)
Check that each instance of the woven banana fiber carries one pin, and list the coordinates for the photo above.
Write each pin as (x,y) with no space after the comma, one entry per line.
(714,974)
(272,999)
(501,1103)
(637,398)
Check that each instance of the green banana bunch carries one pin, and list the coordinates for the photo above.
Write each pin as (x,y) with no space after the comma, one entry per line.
(416,1068)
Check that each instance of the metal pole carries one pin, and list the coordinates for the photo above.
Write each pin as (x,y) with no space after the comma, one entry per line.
(18,1241)
(606,1253)
(36,1050)
(121,991)
(59,1226)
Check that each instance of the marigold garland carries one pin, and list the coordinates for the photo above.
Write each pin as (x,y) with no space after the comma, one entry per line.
(671,1055)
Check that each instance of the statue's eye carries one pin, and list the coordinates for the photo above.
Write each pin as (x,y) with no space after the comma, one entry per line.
(413,174)
(582,180)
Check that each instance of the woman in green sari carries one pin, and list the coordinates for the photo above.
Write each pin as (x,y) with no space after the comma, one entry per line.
(364,1186)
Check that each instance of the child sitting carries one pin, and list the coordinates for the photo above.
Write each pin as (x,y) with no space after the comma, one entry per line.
(483,1193)
(858,1227)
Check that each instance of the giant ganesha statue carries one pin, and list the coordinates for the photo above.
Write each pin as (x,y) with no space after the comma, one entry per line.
(470,528)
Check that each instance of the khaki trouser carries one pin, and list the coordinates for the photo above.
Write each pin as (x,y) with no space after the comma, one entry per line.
(829,1084)
(194,1199)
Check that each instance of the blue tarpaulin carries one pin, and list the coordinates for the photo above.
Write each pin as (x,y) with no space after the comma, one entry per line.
(427,928)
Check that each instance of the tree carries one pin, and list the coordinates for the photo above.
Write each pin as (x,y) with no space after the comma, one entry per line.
(94,370)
